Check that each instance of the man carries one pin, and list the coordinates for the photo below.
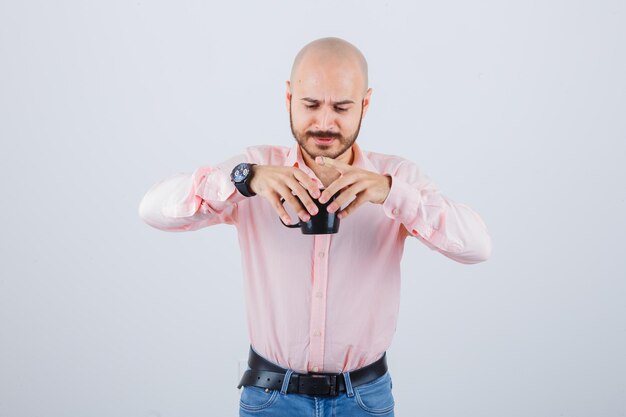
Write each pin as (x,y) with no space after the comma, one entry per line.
(321,309)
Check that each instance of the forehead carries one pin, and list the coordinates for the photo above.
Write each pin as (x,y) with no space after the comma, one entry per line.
(327,79)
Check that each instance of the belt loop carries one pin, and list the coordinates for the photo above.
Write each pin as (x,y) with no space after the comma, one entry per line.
(283,389)
(346,378)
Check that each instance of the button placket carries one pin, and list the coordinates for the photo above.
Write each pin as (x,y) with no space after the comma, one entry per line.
(317,329)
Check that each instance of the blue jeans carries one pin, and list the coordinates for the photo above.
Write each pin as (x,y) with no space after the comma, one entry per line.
(372,399)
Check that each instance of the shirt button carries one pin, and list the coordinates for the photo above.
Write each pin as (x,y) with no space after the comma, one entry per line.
(317,333)
(315,369)
(319,294)
(395,211)
(320,254)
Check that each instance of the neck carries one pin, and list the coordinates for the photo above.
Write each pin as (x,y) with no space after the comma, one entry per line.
(327,174)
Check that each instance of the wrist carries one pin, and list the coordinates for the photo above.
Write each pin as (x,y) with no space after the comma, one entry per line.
(241,176)
(385,187)
(253,182)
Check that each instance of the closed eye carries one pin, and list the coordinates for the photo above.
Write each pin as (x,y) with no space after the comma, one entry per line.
(315,106)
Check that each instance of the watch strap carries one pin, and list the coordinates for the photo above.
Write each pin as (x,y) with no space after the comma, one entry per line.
(244,186)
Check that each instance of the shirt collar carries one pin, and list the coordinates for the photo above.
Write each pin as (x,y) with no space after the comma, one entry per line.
(294,159)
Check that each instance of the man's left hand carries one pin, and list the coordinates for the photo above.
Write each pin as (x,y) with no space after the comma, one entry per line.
(354,182)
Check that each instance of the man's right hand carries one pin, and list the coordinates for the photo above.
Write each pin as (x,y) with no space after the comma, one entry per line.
(273,182)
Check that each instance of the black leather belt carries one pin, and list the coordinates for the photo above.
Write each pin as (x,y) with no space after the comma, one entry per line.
(266,374)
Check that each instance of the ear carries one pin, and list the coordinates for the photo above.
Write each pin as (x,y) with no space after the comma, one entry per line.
(366,101)
(288,95)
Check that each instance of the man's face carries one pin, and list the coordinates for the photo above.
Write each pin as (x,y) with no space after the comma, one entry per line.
(326,105)
(330,143)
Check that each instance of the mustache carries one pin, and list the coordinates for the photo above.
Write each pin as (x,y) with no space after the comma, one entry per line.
(320,134)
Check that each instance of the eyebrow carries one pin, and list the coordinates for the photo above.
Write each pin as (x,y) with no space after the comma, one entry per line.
(336,103)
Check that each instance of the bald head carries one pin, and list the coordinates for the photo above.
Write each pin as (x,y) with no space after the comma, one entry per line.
(330,52)
(327,97)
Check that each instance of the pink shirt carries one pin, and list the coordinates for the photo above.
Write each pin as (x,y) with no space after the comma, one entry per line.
(321,303)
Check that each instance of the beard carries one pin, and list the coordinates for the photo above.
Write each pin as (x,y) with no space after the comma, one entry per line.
(315,150)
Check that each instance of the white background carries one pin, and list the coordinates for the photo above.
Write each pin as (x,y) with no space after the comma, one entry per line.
(516,109)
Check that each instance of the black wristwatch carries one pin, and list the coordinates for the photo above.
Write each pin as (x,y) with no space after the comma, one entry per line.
(241,176)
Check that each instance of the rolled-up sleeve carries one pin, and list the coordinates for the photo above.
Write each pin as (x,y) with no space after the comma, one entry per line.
(186,202)
(451,228)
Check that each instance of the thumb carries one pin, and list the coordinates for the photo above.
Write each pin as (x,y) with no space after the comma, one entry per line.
(330,162)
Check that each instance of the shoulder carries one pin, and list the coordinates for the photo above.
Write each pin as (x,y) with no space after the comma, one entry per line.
(396,166)
(267,154)
(388,163)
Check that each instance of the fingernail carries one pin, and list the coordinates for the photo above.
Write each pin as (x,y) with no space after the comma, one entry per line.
(313,210)
(287,220)
(332,208)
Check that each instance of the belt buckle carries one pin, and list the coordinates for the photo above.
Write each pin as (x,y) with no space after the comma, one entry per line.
(328,385)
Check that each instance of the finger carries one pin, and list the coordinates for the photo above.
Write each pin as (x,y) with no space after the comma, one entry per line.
(293,201)
(338,165)
(274,200)
(360,199)
(345,196)
(303,195)
(307,182)
(337,185)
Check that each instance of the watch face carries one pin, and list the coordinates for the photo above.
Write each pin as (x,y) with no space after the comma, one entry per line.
(240,172)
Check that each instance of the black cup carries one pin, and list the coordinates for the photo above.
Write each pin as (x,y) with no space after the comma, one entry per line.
(323,223)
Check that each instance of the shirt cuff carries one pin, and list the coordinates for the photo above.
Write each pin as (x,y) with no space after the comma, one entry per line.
(402,201)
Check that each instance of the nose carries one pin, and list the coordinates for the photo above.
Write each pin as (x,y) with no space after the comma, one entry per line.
(326,120)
